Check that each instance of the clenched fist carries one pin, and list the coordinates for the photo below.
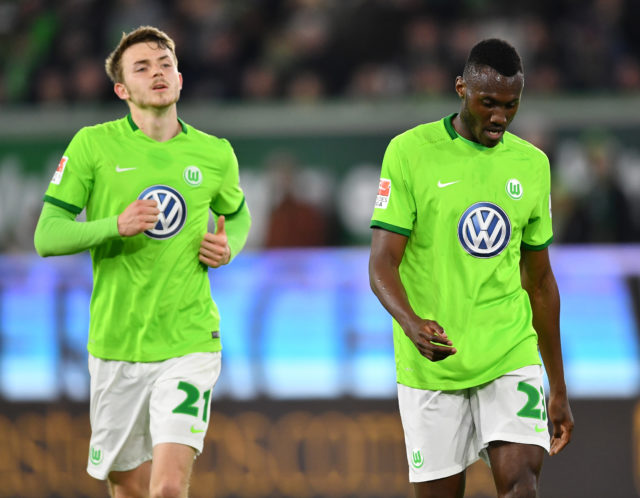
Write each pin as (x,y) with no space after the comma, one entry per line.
(214,248)
(140,215)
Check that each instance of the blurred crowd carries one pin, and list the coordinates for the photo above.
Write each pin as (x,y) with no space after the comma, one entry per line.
(309,50)
(52,53)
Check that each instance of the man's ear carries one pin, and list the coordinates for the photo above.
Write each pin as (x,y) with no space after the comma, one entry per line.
(461,86)
(121,91)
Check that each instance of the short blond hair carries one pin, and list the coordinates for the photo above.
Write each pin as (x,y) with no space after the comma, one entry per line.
(143,34)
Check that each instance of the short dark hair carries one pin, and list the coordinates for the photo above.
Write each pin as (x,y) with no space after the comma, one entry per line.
(497,54)
(146,34)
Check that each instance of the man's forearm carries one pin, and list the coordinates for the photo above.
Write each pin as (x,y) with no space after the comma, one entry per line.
(58,233)
(545,304)
(386,285)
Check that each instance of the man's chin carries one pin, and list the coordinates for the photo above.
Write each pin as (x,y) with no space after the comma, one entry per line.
(159,104)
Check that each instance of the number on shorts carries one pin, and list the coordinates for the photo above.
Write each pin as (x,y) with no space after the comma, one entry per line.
(530,409)
(188,406)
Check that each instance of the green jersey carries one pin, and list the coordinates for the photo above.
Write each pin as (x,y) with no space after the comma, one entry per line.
(466,209)
(151,297)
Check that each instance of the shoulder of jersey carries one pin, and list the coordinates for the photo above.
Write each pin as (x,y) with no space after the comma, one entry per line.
(201,135)
(109,128)
(521,145)
(424,134)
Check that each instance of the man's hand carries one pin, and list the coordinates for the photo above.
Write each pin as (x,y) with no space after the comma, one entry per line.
(214,248)
(424,334)
(562,421)
(140,215)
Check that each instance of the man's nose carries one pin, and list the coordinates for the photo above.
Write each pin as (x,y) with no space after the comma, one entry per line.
(499,117)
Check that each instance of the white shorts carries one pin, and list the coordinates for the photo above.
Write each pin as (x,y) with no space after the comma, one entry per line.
(135,406)
(446,431)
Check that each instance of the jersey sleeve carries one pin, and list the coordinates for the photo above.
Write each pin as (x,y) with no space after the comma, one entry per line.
(72,181)
(538,233)
(395,208)
(230,197)
(58,233)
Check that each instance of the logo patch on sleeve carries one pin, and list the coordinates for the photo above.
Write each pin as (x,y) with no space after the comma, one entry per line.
(57,176)
(384,191)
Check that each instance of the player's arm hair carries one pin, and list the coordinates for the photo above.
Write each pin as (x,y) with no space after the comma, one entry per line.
(237,226)
(58,233)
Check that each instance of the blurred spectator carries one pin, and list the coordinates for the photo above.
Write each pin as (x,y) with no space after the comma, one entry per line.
(259,82)
(306,87)
(429,80)
(49,86)
(603,214)
(377,81)
(627,74)
(294,221)
(543,79)
(88,83)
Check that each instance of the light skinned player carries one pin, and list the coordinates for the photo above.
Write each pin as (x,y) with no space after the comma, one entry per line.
(148,182)
(459,258)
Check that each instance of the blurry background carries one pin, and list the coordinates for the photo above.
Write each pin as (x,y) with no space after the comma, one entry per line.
(310,92)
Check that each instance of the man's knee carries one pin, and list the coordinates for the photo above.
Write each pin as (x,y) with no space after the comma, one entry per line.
(169,489)
(526,487)
(130,484)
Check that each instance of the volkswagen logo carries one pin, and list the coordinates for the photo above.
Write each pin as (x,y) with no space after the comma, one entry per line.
(484,230)
(173,211)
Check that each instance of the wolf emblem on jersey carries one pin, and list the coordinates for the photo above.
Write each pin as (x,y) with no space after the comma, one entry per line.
(173,211)
(484,230)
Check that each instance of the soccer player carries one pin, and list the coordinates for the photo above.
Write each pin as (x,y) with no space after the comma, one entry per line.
(459,258)
(147,181)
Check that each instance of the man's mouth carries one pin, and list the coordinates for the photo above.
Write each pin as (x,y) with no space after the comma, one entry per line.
(494,133)
(160,86)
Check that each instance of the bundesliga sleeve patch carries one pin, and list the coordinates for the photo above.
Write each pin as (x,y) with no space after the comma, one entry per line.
(57,176)
(384,190)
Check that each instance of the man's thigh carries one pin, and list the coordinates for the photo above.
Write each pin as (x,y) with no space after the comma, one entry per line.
(439,433)
(171,469)
(515,466)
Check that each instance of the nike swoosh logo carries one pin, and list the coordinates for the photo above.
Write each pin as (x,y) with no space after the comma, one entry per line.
(120,170)
(540,429)
(442,185)
(196,431)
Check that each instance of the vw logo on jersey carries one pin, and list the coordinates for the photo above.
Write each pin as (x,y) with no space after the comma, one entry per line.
(173,211)
(484,230)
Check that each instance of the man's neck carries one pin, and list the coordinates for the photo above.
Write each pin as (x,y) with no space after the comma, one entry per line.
(160,125)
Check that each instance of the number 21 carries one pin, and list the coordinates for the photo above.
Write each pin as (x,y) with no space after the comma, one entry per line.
(188,406)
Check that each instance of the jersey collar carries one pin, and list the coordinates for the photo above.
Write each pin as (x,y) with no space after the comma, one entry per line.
(448,125)
(134,126)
